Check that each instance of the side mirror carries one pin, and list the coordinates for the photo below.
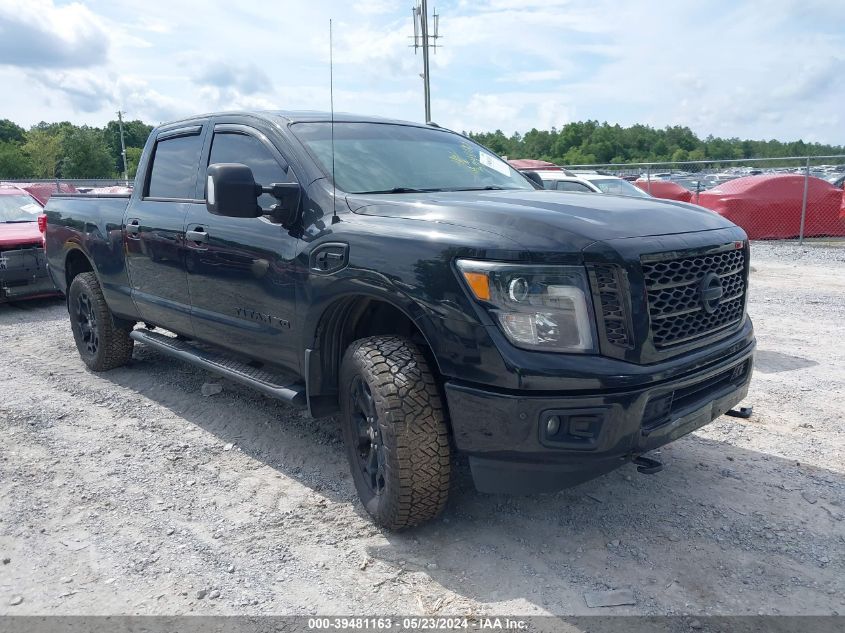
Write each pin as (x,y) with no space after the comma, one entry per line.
(231,191)
(286,210)
(534,177)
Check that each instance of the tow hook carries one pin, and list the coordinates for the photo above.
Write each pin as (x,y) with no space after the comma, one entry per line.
(646,465)
(742,412)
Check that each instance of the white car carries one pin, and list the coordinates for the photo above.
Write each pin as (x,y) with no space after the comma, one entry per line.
(560,180)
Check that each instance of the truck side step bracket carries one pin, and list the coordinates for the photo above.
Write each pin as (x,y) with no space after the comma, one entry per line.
(647,466)
(268,382)
(742,412)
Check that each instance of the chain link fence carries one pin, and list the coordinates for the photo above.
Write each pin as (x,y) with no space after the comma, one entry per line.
(790,198)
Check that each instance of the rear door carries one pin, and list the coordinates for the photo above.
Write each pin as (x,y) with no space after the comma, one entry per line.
(155,228)
(240,270)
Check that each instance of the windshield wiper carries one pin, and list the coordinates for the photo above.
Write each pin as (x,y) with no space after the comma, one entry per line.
(400,190)
(17,221)
(487,188)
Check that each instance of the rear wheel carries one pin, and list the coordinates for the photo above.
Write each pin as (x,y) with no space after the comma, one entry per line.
(395,432)
(102,344)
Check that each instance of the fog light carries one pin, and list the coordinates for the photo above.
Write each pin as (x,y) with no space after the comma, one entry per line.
(552,425)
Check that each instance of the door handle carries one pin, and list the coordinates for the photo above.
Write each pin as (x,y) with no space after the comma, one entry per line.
(198,235)
(134,227)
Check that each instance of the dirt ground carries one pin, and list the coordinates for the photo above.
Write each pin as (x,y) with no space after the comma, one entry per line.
(131,493)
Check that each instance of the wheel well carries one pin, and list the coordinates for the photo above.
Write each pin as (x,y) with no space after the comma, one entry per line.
(76,263)
(348,320)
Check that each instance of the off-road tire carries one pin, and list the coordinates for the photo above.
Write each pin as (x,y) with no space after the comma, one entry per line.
(114,347)
(412,428)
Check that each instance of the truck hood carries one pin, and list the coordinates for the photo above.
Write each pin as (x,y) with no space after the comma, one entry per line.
(19,234)
(545,220)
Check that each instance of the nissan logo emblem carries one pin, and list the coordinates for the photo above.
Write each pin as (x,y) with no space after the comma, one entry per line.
(711,292)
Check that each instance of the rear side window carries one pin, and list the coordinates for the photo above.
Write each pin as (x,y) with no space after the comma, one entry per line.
(568,185)
(231,147)
(174,171)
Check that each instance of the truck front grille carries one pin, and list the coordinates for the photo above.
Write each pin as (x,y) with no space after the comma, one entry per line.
(675,302)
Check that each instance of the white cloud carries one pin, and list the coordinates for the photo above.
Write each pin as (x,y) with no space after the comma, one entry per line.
(92,92)
(375,7)
(39,34)
(729,70)
(531,76)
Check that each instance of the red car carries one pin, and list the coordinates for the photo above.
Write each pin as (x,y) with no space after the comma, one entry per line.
(23,267)
(665,189)
(768,207)
(842,209)
(42,191)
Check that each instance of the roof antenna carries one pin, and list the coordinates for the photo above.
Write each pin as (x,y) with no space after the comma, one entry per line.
(335,219)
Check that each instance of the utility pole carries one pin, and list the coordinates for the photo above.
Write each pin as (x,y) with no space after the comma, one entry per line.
(123,148)
(423,38)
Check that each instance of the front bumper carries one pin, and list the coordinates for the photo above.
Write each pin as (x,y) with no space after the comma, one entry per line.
(511,450)
(23,274)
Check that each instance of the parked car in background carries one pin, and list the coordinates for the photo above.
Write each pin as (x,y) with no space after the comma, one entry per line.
(523,164)
(665,189)
(42,191)
(113,189)
(23,266)
(838,182)
(613,185)
(769,206)
(562,180)
(842,209)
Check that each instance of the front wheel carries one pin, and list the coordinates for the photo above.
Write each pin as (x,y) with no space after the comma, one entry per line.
(101,343)
(394,428)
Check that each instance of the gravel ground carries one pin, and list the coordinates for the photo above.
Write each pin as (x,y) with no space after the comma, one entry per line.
(132,493)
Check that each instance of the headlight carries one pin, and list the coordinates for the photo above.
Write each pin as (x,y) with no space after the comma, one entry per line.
(537,307)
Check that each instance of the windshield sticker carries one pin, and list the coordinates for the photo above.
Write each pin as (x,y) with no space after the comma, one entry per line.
(468,160)
(488,161)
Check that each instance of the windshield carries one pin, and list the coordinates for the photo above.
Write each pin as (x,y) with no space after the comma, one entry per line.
(391,158)
(20,208)
(618,187)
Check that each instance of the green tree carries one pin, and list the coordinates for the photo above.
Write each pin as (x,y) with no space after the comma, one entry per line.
(135,134)
(133,157)
(44,151)
(11,132)
(13,162)
(86,154)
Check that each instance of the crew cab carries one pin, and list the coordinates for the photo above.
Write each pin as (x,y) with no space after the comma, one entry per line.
(23,266)
(410,282)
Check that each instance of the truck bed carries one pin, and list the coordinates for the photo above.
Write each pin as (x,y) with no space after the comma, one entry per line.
(90,222)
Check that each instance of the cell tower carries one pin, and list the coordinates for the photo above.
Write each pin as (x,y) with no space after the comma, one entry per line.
(425,38)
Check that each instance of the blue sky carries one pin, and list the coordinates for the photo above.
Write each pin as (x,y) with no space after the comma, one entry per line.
(773,69)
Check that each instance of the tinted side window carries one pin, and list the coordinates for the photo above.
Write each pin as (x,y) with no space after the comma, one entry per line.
(568,185)
(239,148)
(174,171)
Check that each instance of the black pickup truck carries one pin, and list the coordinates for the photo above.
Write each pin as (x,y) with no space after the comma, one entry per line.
(411,282)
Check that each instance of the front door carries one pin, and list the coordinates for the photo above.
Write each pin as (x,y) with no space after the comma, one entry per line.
(154,229)
(240,270)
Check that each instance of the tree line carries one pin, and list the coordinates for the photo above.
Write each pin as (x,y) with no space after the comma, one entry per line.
(591,142)
(65,150)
